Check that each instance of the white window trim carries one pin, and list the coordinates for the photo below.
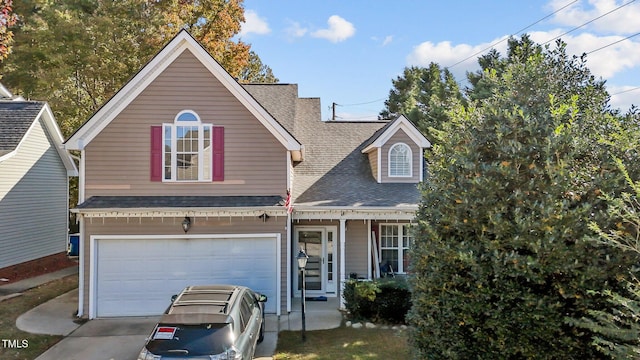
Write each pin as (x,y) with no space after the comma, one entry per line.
(202,176)
(410,153)
(399,249)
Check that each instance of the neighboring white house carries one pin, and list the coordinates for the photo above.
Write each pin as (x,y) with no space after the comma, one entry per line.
(34,181)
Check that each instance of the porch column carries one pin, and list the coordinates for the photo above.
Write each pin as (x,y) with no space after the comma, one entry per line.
(343,234)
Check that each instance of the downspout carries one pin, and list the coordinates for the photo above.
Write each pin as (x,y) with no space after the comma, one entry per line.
(81,248)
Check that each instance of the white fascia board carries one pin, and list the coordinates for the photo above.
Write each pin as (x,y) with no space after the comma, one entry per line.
(401,123)
(404,213)
(182,42)
(180,212)
(8,155)
(5,93)
(56,135)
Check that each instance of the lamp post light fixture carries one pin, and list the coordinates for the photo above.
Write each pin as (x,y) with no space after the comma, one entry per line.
(302,264)
(186,224)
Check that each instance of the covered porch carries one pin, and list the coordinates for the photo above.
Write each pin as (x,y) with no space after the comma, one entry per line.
(345,243)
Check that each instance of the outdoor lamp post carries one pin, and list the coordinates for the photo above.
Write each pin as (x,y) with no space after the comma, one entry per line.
(302,263)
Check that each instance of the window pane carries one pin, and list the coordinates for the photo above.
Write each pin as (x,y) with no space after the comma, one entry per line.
(406,236)
(389,259)
(187,153)
(405,260)
(399,160)
(187,116)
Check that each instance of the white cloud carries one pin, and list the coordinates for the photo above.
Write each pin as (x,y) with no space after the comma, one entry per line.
(463,56)
(295,30)
(254,24)
(598,15)
(339,30)
(604,63)
(387,40)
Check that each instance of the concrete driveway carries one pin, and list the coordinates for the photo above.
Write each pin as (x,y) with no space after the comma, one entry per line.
(122,339)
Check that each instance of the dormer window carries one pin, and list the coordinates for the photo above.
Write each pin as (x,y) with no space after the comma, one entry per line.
(187,148)
(400,161)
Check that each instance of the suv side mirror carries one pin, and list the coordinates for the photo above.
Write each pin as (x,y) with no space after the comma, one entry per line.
(173,298)
(262,298)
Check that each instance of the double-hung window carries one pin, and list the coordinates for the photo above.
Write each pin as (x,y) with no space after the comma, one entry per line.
(187,151)
(395,240)
(400,161)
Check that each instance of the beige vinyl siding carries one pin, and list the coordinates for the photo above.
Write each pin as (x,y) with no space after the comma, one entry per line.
(356,248)
(118,159)
(401,137)
(373,162)
(172,226)
(33,201)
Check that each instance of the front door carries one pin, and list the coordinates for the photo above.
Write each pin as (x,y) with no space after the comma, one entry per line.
(319,243)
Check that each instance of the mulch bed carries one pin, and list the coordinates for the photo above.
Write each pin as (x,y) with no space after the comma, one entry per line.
(36,267)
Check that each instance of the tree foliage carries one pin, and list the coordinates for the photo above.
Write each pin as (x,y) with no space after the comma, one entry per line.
(7,20)
(423,95)
(502,263)
(76,53)
(617,328)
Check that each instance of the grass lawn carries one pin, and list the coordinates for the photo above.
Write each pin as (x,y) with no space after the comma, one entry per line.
(31,345)
(343,343)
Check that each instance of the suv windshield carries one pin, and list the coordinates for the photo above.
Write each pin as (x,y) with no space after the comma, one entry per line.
(192,340)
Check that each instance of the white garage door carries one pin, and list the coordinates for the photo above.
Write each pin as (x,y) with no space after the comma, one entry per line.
(138,276)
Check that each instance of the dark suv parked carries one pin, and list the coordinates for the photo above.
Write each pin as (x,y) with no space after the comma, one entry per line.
(213,322)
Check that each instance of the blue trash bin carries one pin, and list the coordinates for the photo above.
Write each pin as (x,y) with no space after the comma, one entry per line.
(74,245)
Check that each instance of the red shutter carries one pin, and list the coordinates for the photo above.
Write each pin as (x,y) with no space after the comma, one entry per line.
(218,153)
(156,153)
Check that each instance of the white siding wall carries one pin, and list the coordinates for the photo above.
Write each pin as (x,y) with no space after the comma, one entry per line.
(33,201)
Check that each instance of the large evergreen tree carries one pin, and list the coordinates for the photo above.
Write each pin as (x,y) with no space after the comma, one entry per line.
(502,264)
(423,95)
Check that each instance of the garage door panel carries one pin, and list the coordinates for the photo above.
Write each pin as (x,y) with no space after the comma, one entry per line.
(137,277)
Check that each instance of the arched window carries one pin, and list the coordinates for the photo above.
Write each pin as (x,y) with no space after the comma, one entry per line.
(187,148)
(400,160)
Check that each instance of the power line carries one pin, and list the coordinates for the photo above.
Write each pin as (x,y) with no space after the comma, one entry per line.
(589,22)
(626,91)
(363,103)
(613,43)
(518,32)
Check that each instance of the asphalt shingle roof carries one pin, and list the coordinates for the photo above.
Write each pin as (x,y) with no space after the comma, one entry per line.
(15,119)
(130,202)
(334,171)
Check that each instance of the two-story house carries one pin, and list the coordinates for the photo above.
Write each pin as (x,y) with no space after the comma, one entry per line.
(188,177)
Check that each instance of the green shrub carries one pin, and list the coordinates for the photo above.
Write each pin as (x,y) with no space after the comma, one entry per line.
(358,297)
(393,302)
(385,300)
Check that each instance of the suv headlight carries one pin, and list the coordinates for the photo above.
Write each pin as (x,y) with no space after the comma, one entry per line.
(146,355)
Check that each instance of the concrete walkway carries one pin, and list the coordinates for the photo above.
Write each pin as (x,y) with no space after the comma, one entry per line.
(9,291)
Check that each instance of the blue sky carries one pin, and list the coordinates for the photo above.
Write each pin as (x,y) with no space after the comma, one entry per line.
(349,51)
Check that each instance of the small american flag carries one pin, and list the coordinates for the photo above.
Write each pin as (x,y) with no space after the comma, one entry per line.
(288,203)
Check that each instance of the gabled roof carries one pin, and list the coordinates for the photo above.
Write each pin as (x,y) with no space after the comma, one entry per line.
(383,135)
(335,172)
(182,42)
(17,118)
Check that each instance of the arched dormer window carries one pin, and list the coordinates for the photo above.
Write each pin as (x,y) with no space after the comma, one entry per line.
(400,161)
(187,148)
